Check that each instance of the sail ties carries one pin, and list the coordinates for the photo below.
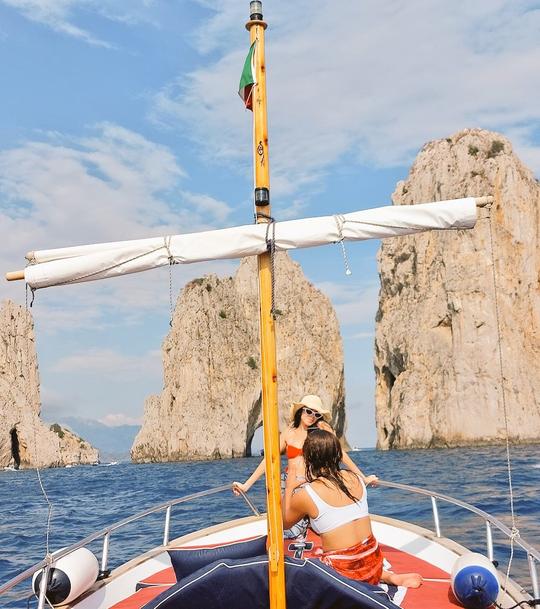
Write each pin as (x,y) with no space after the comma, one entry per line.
(340,223)
(167,245)
(270,239)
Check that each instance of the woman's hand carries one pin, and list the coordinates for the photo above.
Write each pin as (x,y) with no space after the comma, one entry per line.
(371,480)
(239,486)
(322,424)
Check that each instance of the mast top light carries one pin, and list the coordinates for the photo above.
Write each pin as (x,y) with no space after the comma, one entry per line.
(255,11)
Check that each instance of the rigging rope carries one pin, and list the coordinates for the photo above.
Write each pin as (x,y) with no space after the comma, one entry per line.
(33,290)
(171,308)
(114,266)
(171,262)
(514,530)
(417,227)
(271,248)
(36,450)
(338,218)
(340,222)
(533,602)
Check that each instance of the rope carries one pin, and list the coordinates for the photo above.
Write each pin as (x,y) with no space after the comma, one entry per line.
(33,290)
(340,222)
(514,530)
(36,452)
(114,266)
(32,596)
(533,602)
(271,248)
(383,225)
(171,262)
(171,308)
(49,505)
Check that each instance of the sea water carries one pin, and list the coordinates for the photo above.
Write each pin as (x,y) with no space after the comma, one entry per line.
(86,499)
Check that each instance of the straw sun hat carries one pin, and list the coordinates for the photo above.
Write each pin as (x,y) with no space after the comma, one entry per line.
(309,401)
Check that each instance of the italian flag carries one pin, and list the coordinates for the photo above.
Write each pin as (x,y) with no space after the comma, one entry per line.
(247,80)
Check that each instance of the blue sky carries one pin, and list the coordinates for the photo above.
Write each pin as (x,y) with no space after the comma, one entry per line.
(120,120)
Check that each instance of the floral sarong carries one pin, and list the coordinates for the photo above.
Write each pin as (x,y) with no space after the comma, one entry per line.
(364,561)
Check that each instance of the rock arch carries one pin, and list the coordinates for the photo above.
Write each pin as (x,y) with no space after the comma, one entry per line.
(210,404)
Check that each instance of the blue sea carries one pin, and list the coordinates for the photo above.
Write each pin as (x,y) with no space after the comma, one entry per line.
(86,499)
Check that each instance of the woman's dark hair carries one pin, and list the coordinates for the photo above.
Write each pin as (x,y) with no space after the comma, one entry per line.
(323,456)
(297,417)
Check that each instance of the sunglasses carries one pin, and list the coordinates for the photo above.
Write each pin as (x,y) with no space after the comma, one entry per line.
(312,413)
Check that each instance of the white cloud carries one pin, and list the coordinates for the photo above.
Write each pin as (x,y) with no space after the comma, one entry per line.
(217,210)
(55,14)
(528,152)
(123,301)
(294,209)
(109,364)
(374,93)
(108,185)
(118,419)
(111,185)
(355,303)
(362,336)
(62,15)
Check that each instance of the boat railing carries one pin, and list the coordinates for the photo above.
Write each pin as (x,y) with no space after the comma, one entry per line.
(533,555)
(105,533)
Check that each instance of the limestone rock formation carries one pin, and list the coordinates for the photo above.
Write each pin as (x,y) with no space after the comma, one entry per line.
(210,406)
(436,350)
(25,441)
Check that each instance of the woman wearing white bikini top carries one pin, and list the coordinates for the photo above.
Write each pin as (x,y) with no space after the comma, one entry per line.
(335,501)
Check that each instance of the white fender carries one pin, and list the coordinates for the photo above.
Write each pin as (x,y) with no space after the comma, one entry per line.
(71,576)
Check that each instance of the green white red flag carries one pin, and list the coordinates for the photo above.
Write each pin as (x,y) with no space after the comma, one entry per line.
(247,80)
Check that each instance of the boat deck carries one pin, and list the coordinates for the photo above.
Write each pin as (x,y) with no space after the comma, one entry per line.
(406,547)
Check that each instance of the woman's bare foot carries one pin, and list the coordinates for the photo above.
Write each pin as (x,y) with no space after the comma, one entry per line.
(408,580)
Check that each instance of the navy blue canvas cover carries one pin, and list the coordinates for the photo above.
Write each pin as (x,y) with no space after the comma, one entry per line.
(187,560)
(243,584)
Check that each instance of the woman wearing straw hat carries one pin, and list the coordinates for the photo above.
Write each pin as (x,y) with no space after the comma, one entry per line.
(309,413)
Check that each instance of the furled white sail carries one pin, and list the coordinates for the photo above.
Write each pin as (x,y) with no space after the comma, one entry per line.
(99,261)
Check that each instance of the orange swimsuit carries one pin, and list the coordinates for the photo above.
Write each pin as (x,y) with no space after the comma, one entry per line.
(293,452)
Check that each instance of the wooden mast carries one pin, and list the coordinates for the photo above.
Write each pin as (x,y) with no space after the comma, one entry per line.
(276,568)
